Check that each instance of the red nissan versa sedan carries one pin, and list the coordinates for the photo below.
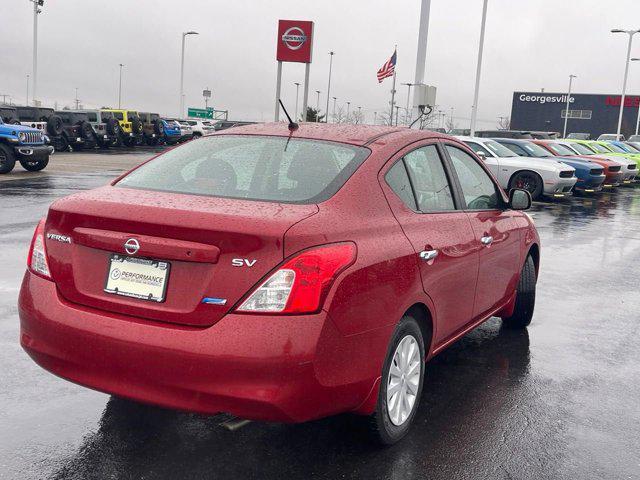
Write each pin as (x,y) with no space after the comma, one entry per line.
(279,277)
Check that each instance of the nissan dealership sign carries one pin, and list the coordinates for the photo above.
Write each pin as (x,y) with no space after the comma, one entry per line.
(295,41)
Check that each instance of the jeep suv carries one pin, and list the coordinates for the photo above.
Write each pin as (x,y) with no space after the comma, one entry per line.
(172,132)
(77,132)
(9,114)
(45,120)
(152,128)
(130,124)
(105,125)
(186,132)
(25,144)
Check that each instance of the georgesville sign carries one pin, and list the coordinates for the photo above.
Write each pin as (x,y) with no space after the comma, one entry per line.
(295,41)
(588,113)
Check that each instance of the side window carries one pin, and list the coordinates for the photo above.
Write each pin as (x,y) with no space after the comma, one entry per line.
(92,116)
(398,180)
(517,149)
(430,184)
(118,115)
(477,187)
(476,147)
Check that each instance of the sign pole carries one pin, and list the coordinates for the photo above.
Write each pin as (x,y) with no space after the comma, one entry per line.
(305,98)
(278,84)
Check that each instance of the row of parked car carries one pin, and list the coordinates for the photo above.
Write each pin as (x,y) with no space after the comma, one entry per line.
(557,167)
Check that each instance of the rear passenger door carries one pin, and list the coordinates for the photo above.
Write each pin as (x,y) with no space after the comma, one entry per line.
(422,201)
(496,236)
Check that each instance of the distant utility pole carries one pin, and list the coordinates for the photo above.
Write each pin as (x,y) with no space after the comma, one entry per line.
(348,109)
(295,114)
(474,108)
(27,102)
(329,89)
(566,112)
(318,106)
(120,87)
(77,101)
(375,117)
(408,118)
(397,107)
(36,12)
(4,97)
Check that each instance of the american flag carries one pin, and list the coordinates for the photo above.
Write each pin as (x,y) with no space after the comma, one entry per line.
(388,68)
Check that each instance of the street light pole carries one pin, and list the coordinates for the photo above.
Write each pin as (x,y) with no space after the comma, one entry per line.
(375,118)
(566,111)
(77,101)
(27,102)
(36,11)
(184,34)
(348,107)
(638,118)
(329,90)
(359,119)
(474,108)
(120,86)
(318,106)
(295,115)
(631,33)
(408,120)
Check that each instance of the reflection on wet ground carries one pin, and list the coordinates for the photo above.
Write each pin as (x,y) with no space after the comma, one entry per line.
(560,400)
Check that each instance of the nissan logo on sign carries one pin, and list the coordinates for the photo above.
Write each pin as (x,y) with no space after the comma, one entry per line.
(295,41)
(294,38)
(131,246)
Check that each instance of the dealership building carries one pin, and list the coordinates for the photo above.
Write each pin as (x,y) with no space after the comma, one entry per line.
(588,113)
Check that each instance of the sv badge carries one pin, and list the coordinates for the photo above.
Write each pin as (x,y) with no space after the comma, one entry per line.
(243,262)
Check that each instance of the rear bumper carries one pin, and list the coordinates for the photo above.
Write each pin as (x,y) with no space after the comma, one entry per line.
(32,152)
(253,366)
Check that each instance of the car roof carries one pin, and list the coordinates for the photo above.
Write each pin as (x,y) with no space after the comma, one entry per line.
(352,134)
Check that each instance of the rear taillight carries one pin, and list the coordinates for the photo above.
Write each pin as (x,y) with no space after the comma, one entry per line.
(301,284)
(37,259)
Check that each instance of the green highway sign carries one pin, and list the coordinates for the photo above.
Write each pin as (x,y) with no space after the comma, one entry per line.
(200,112)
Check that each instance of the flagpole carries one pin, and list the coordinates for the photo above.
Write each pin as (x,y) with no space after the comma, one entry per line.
(393,88)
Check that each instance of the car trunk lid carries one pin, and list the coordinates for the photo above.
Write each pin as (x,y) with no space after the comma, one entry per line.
(216,248)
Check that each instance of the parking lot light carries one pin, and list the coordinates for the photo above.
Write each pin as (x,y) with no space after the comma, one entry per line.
(184,34)
(638,117)
(631,33)
(566,112)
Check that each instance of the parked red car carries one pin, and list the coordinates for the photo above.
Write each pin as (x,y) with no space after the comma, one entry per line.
(279,277)
(612,170)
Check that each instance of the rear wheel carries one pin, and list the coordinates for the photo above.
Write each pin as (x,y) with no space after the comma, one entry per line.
(60,143)
(34,165)
(7,159)
(525,297)
(401,385)
(526,180)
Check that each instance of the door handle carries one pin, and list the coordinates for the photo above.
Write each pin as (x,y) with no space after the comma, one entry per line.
(427,255)
(488,240)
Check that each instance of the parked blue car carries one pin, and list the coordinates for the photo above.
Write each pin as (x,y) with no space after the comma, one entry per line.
(24,144)
(590,175)
(172,133)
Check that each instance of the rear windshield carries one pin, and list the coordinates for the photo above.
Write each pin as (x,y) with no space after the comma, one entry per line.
(582,149)
(560,149)
(253,168)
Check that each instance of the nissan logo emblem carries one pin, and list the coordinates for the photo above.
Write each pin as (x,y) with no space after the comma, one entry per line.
(294,38)
(131,246)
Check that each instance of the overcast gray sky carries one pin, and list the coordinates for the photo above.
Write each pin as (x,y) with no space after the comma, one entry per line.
(530,44)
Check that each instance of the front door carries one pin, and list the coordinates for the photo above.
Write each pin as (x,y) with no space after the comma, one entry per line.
(497,238)
(440,233)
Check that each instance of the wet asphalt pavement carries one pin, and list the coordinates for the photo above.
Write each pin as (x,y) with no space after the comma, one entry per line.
(559,401)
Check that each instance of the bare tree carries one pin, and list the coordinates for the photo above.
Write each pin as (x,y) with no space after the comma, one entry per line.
(357,117)
(450,124)
(340,116)
(504,123)
(383,118)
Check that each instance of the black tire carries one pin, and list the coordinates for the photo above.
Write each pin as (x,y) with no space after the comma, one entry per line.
(54,126)
(113,126)
(152,141)
(130,141)
(158,128)
(136,126)
(527,180)
(7,159)
(525,297)
(60,143)
(382,429)
(35,165)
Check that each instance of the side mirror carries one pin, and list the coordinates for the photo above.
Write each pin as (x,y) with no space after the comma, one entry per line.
(519,199)
(482,155)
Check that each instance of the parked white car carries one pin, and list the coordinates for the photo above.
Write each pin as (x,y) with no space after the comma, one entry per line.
(200,127)
(539,176)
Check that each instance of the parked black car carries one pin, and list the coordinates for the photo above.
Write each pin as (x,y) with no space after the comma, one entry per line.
(504,134)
